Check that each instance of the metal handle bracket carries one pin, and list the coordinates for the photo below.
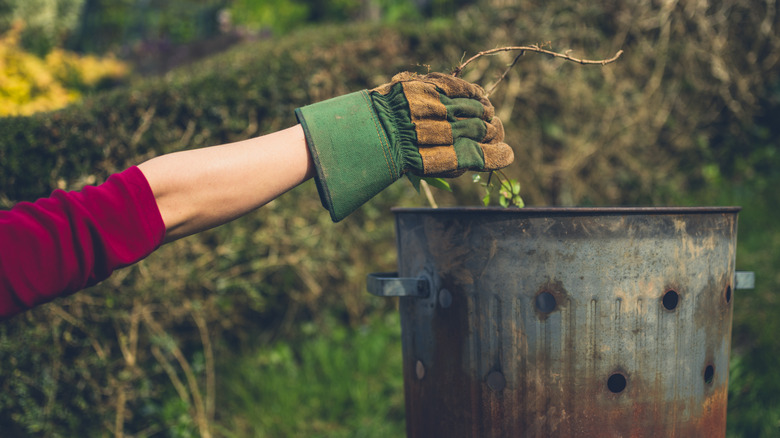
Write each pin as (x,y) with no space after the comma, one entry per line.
(744,280)
(388,284)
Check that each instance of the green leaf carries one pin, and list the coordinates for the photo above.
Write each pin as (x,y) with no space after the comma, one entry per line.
(518,201)
(486,199)
(476,178)
(515,187)
(438,183)
(415,180)
(504,201)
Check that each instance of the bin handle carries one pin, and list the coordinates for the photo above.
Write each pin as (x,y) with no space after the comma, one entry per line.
(388,284)
(744,280)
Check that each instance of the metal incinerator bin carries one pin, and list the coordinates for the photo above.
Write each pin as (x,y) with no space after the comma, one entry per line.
(566,322)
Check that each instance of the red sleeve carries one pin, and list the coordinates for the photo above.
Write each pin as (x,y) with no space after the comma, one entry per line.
(72,240)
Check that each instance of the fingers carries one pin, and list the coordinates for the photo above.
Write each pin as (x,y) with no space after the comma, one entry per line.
(497,155)
(495,131)
(462,95)
(454,87)
(461,108)
(442,132)
(434,132)
(438,159)
(473,155)
(437,95)
(424,101)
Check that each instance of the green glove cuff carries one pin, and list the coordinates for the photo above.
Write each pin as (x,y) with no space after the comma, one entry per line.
(351,151)
(393,112)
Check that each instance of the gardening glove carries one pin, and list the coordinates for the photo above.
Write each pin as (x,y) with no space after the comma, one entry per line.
(432,125)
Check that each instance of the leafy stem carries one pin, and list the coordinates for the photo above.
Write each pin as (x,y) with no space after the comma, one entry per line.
(508,189)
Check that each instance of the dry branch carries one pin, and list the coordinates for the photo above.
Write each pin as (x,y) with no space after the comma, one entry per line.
(535,49)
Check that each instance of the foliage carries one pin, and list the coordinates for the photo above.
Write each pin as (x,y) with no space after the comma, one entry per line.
(277,15)
(439,183)
(30,84)
(111,25)
(281,16)
(508,189)
(47,22)
(298,388)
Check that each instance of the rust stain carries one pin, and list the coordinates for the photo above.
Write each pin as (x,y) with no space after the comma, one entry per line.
(445,245)
(556,289)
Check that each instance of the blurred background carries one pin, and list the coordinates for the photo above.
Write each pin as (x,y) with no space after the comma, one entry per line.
(263,327)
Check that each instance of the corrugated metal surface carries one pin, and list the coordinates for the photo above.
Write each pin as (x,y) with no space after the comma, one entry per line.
(567,322)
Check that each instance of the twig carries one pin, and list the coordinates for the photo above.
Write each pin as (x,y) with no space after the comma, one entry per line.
(200,407)
(503,75)
(146,122)
(208,353)
(178,385)
(536,49)
(119,419)
(428,193)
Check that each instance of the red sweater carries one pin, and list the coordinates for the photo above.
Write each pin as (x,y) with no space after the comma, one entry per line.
(73,240)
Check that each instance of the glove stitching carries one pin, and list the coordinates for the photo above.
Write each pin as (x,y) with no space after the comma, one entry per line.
(382,139)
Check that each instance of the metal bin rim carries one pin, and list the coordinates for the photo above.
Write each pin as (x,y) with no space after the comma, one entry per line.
(568,211)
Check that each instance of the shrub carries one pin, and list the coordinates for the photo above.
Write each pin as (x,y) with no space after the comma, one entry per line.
(29,84)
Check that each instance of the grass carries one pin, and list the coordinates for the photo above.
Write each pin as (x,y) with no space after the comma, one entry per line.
(336,381)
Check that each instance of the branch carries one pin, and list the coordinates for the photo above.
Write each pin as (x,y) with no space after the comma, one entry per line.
(503,75)
(428,193)
(536,49)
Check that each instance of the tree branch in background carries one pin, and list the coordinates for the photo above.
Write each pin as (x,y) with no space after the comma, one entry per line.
(536,49)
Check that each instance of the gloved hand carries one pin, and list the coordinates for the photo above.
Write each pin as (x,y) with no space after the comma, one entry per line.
(432,125)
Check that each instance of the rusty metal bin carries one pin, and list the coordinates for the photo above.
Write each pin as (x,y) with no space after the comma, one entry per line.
(564,322)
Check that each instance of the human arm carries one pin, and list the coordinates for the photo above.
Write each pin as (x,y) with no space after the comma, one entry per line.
(202,188)
(72,240)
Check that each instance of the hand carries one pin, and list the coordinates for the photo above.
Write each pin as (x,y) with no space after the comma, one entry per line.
(430,125)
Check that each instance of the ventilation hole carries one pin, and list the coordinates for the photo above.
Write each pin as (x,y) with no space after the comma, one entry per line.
(496,381)
(616,383)
(728,294)
(709,374)
(545,302)
(671,299)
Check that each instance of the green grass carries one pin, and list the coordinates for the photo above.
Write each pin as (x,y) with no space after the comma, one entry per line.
(334,382)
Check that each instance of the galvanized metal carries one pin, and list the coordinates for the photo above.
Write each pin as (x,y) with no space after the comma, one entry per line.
(388,284)
(600,322)
(744,280)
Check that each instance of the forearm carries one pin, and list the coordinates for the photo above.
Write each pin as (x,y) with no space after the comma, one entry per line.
(202,188)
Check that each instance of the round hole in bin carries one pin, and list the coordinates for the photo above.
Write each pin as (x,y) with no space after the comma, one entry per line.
(419,370)
(728,294)
(496,381)
(545,302)
(671,299)
(445,298)
(709,374)
(616,383)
